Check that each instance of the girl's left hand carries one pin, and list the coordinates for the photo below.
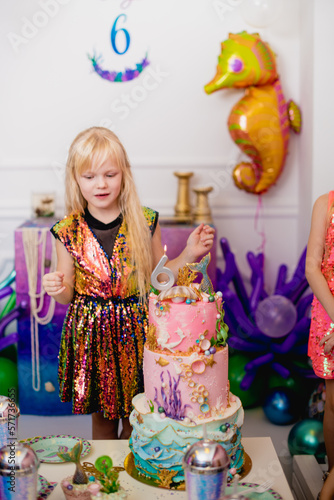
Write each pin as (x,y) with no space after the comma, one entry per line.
(201,240)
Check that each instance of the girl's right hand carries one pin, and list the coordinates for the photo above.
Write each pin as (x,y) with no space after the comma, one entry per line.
(53,283)
(328,342)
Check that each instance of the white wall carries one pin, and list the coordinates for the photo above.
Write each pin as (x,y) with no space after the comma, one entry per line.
(49,93)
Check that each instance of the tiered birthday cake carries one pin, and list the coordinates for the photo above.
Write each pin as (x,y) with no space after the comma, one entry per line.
(186,382)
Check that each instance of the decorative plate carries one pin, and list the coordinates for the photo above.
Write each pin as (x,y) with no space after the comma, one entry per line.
(44,488)
(267,495)
(129,465)
(47,447)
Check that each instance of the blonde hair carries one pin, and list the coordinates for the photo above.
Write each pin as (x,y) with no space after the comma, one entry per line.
(94,146)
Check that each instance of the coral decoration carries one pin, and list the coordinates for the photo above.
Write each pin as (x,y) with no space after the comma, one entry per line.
(171,402)
(185,276)
(151,338)
(285,355)
(259,123)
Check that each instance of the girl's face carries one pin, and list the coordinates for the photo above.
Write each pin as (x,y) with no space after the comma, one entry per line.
(101,188)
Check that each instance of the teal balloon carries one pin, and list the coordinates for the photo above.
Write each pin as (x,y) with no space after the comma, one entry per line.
(281,406)
(236,372)
(307,438)
(8,378)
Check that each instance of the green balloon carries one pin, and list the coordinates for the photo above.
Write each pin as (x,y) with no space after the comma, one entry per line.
(8,378)
(236,372)
(10,352)
(293,383)
(307,438)
(9,305)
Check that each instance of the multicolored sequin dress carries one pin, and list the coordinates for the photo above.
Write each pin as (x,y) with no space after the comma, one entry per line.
(323,365)
(102,343)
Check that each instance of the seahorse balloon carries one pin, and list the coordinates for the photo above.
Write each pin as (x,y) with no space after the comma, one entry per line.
(259,123)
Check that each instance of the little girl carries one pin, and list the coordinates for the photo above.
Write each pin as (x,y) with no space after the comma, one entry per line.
(320,275)
(107,247)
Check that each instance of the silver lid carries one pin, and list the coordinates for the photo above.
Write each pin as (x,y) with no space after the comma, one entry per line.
(206,454)
(8,408)
(18,457)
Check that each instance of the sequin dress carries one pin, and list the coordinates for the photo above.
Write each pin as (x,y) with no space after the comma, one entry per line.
(323,365)
(102,343)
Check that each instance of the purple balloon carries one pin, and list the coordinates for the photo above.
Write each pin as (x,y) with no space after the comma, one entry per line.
(276,316)
(7,290)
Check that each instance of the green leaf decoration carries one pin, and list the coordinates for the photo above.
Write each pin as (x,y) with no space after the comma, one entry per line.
(151,406)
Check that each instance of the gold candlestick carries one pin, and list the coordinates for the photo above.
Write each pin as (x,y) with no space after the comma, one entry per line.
(202,212)
(183,207)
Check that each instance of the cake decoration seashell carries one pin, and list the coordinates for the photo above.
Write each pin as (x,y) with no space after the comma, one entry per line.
(198,366)
(205,344)
(184,292)
(178,300)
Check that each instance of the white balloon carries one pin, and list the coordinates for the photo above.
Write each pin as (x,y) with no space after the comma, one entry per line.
(260,13)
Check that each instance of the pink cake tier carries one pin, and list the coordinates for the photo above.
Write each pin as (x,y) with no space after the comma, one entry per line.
(197,382)
(178,326)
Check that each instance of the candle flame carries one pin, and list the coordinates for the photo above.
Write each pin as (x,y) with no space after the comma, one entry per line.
(165,249)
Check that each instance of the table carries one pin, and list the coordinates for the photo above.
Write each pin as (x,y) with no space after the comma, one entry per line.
(265,463)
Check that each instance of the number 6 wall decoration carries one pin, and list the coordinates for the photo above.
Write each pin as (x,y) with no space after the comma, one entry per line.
(118,76)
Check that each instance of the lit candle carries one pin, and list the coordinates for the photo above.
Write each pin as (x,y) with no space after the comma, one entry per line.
(162,285)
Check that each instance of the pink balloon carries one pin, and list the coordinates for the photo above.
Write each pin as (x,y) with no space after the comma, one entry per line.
(276,316)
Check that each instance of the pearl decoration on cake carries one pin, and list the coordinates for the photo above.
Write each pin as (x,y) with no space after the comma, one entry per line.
(211,298)
(219,294)
(205,345)
(212,350)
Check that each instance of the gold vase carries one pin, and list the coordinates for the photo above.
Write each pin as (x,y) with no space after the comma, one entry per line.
(183,207)
(202,212)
